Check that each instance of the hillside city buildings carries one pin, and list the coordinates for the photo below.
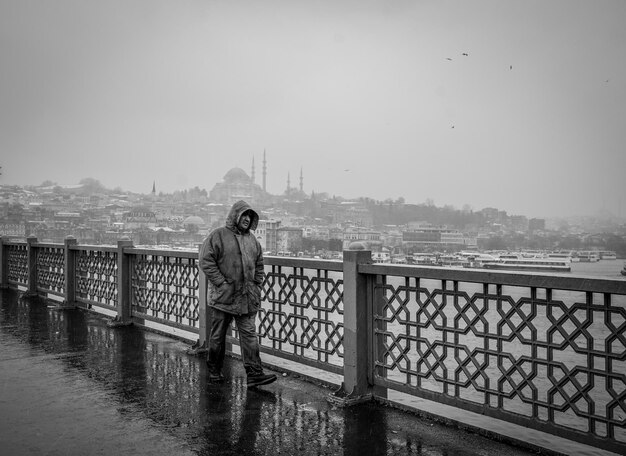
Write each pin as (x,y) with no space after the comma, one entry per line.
(292,223)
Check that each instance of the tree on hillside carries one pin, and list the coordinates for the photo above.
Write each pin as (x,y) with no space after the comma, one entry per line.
(91,185)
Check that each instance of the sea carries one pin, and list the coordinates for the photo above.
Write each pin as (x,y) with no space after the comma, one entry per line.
(606,269)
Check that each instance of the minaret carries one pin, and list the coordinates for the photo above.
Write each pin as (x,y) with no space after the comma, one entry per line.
(252,173)
(288,184)
(153,198)
(264,170)
(301,181)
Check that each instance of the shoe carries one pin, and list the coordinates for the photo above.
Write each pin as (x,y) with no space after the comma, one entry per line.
(261,379)
(216,378)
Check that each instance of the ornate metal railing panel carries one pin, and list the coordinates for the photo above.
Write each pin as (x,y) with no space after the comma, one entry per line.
(96,276)
(164,287)
(51,269)
(17,263)
(302,311)
(545,352)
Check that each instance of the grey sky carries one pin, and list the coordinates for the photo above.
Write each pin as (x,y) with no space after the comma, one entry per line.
(359,94)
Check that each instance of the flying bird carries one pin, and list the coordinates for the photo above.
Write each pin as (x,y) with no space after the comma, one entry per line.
(510,67)
(448,58)
(465,54)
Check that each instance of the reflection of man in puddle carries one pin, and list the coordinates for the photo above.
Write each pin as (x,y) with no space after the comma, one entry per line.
(258,404)
(232,418)
(232,259)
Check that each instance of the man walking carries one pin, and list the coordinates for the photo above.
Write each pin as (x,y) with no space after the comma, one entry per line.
(232,259)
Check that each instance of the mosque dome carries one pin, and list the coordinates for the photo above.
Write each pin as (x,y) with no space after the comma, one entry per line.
(193,220)
(236,175)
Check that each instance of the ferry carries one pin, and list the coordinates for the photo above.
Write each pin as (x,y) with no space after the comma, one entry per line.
(424,259)
(476,259)
(381,257)
(451,260)
(518,263)
(607,255)
(587,256)
(563,255)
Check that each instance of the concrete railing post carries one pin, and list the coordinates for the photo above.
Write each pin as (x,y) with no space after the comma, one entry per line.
(69,271)
(123,317)
(32,266)
(4,264)
(356,330)
(200,346)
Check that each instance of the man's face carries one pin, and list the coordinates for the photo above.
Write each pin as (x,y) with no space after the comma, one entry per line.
(244,221)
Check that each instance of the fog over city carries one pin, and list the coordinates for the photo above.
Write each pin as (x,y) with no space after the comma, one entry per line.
(519,105)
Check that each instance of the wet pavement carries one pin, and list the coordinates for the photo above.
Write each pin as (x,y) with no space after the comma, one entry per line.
(69,385)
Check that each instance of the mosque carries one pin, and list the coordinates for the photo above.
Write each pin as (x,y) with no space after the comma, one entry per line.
(238,185)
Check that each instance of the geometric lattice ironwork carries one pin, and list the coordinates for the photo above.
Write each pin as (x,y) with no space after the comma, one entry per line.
(17,263)
(302,314)
(51,269)
(517,353)
(165,287)
(96,276)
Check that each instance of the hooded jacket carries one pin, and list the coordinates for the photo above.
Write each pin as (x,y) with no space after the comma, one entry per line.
(233,264)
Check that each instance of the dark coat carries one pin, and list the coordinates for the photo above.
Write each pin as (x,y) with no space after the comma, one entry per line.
(233,264)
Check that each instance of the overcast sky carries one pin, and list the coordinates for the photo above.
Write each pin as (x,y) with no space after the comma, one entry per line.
(368,98)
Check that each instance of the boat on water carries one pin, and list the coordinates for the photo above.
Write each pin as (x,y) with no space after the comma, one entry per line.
(476,259)
(381,257)
(424,259)
(588,256)
(563,255)
(519,263)
(607,255)
(623,271)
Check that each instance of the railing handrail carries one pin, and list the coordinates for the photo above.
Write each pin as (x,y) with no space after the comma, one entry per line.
(158,252)
(570,282)
(306,263)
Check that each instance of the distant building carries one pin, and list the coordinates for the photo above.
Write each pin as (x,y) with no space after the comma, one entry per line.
(317,232)
(139,217)
(519,222)
(289,239)
(370,238)
(434,237)
(452,237)
(216,214)
(12,229)
(237,185)
(536,224)
(494,215)
(267,234)
(347,213)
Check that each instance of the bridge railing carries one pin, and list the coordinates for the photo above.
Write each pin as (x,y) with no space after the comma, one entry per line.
(545,352)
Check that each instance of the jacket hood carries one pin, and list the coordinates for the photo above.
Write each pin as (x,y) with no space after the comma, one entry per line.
(237,211)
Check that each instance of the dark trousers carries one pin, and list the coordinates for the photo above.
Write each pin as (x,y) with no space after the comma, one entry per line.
(248,340)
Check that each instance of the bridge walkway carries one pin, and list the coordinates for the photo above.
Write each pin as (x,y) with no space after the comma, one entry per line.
(69,384)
